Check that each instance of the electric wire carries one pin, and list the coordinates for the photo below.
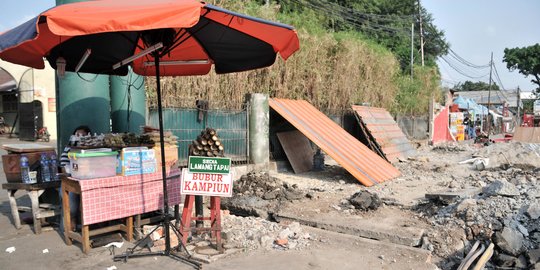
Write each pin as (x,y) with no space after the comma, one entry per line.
(460,71)
(465,62)
(364,21)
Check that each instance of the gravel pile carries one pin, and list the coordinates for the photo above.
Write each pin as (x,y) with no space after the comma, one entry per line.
(250,233)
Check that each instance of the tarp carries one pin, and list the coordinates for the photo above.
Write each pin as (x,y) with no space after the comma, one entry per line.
(365,165)
(470,105)
(441,130)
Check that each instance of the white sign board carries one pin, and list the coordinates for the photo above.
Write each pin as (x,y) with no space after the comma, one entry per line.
(206,184)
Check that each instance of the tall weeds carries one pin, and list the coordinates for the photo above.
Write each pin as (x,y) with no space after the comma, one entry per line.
(331,70)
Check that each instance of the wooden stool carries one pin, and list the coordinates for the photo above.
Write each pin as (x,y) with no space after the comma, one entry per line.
(215,219)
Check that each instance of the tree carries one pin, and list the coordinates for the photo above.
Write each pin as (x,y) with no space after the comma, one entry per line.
(388,22)
(526,60)
(475,86)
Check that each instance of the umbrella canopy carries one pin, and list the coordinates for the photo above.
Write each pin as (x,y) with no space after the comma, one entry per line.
(96,36)
(155,37)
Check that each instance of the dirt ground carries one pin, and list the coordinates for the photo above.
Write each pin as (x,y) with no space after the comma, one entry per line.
(410,231)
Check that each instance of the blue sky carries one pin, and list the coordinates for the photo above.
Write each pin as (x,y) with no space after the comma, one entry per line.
(15,12)
(474,29)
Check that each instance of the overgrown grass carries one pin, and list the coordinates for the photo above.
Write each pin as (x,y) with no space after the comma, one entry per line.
(332,71)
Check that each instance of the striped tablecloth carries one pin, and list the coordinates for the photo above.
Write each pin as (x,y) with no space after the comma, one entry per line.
(110,198)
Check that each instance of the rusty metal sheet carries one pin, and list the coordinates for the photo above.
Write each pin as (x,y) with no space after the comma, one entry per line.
(365,165)
(385,131)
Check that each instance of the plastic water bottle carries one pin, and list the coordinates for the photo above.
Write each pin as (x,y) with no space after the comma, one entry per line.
(25,169)
(45,169)
(54,167)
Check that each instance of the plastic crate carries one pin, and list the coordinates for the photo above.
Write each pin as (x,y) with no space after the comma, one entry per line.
(93,164)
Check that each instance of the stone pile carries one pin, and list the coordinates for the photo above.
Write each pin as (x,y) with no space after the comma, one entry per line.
(250,233)
(260,195)
(505,211)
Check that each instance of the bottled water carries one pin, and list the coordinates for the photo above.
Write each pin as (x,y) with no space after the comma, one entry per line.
(45,169)
(54,168)
(25,169)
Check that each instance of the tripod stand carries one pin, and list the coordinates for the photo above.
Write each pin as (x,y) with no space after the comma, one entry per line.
(142,243)
(166,218)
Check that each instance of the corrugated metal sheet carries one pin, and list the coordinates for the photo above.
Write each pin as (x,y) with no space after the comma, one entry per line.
(355,157)
(385,131)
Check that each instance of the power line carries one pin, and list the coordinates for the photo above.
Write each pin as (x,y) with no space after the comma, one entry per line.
(364,21)
(465,62)
(461,71)
(497,77)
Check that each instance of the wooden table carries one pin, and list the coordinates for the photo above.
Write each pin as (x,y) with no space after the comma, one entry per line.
(27,147)
(72,185)
(111,198)
(39,211)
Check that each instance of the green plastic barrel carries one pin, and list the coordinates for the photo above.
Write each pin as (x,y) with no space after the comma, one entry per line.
(128,103)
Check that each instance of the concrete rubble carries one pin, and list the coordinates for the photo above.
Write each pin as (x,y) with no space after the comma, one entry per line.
(459,203)
(505,212)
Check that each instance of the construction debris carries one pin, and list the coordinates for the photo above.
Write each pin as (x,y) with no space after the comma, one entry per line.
(365,200)
(505,212)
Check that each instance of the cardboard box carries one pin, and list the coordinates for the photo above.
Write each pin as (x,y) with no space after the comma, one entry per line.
(136,160)
(171,157)
(12,164)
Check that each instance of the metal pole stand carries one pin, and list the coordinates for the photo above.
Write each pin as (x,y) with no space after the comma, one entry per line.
(166,221)
(139,249)
(215,220)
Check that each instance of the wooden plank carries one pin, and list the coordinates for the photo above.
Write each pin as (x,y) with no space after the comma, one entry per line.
(297,149)
(26,147)
(29,187)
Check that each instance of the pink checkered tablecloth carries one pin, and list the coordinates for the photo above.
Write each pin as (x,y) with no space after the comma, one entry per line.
(117,197)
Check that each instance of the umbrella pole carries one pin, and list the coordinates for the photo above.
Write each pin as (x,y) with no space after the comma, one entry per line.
(166,218)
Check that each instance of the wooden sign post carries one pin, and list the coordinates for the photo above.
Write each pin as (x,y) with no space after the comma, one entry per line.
(206,176)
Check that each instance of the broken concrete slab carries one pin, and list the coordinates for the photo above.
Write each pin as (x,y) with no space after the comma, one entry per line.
(533,211)
(449,197)
(534,256)
(407,236)
(501,188)
(510,241)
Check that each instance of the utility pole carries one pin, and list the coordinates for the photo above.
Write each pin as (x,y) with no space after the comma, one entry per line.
(412,49)
(489,93)
(421,32)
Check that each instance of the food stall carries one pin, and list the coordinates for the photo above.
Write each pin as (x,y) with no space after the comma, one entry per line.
(118,178)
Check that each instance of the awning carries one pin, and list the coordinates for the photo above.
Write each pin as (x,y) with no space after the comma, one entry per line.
(384,134)
(365,165)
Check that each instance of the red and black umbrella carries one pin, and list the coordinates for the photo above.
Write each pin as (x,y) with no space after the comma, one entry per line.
(154,37)
(191,36)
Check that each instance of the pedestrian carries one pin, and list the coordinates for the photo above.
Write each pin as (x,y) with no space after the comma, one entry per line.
(74,199)
(466,123)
